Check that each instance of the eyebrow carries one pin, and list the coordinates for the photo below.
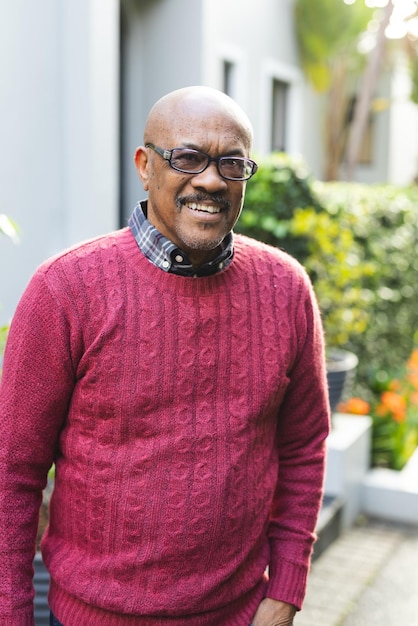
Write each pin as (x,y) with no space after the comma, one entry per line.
(192,146)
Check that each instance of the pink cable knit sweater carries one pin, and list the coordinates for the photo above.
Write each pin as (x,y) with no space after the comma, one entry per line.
(187,419)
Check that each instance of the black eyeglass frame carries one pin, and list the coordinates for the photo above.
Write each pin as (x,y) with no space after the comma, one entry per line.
(168,155)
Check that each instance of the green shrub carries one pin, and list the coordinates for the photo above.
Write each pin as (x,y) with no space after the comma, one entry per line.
(359,244)
(338,271)
(280,186)
(384,223)
(283,209)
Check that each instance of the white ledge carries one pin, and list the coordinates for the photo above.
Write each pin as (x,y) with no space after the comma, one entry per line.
(391,494)
(348,461)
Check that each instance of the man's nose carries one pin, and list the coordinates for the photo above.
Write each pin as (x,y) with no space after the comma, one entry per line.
(210,178)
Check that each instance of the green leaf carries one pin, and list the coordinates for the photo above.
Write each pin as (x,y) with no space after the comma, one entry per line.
(8,228)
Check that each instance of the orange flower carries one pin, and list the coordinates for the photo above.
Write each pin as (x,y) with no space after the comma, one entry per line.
(354,405)
(412,362)
(393,403)
(413,378)
(381,410)
(395,384)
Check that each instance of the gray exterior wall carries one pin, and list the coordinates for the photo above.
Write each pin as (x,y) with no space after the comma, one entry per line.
(161,45)
(59,130)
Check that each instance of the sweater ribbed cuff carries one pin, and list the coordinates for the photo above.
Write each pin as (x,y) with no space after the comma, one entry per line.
(287,583)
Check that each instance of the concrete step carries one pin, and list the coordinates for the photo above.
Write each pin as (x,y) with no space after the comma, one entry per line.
(329,524)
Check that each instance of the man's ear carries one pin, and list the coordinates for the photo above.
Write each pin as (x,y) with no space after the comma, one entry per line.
(141,164)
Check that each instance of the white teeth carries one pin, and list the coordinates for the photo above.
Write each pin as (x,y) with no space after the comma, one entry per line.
(203,207)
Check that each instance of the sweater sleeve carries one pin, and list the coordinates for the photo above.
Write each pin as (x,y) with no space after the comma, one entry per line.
(302,429)
(35,390)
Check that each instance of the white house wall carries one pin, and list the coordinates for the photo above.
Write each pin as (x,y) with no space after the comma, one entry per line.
(58,129)
(258,37)
(30,127)
(403,156)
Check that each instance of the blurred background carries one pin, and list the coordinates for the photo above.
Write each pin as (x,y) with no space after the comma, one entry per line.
(78,77)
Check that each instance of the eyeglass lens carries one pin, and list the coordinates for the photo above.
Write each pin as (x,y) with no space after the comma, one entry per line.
(195,162)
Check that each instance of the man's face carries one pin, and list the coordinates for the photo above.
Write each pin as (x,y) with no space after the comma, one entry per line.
(194,211)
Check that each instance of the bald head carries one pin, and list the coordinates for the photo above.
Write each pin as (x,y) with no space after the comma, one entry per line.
(202,128)
(190,108)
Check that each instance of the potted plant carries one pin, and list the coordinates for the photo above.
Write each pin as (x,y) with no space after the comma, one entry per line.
(393,406)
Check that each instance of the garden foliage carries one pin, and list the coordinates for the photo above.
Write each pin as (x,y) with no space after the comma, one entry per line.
(8,228)
(394,413)
(359,244)
(383,220)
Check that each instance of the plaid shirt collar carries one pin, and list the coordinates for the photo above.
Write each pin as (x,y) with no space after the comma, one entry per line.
(167,256)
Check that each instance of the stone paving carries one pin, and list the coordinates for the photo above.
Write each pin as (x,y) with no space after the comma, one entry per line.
(367,577)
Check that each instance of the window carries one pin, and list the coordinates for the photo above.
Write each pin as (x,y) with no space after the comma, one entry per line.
(279,120)
(365,155)
(229,78)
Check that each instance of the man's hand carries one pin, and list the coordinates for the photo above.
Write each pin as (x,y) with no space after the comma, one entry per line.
(274,613)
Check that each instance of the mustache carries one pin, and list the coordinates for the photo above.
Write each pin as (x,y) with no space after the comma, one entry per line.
(204,197)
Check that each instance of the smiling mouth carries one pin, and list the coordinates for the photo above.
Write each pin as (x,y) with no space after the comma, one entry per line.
(203,208)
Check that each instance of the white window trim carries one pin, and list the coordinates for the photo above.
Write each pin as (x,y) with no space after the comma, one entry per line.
(238,57)
(273,70)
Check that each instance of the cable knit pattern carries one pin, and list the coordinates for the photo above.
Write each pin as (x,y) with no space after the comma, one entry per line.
(190,416)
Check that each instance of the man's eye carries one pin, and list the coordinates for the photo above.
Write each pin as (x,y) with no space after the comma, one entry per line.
(190,156)
(235,165)
(189,159)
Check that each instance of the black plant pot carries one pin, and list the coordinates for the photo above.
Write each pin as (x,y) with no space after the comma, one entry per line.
(341,371)
(41,584)
(41,575)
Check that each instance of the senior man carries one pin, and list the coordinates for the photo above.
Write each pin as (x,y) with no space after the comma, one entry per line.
(174,372)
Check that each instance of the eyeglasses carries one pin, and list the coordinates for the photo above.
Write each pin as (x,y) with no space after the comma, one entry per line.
(191,161)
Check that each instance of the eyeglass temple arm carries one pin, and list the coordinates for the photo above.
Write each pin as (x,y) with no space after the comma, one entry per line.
(166,154)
